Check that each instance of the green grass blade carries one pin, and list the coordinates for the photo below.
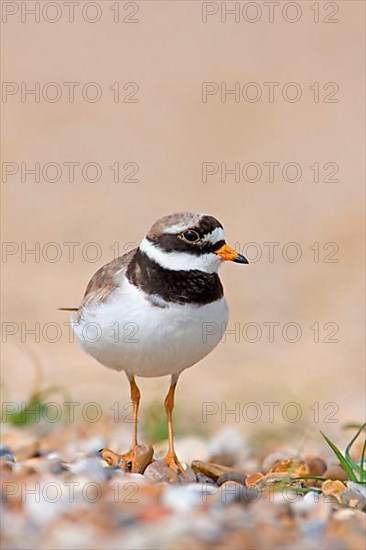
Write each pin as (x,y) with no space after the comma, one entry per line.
(348,448)
(354,464)
(320,478)
(343,460)
(363,470)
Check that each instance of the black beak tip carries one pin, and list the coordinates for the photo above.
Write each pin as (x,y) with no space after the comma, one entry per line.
(240,259)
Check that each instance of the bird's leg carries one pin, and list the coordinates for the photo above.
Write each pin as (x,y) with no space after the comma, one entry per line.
(139,456)
(135,398)
(171,458)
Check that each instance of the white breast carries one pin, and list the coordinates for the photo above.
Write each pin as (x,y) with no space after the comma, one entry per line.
(128,332)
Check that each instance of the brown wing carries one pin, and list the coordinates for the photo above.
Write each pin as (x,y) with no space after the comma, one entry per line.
(103,282)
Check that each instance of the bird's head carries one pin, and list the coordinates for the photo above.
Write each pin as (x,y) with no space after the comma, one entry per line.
(187,241)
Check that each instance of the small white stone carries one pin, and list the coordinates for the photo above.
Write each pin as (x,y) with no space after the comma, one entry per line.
(306,503)
(91,467)
(357,488)
(229,441)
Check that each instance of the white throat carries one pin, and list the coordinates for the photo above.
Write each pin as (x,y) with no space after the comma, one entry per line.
(181,261)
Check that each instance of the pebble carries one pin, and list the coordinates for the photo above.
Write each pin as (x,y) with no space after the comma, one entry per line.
(358,488)
(89,466)
(230,442)
(7,461)
(238,477)
(159,471)
(304,505)
(209,469)
(292,466)
(231,492)
(271,459)
(209,508)
(317,466)
(332,487)
(202,478)
(353,496)
(56,465)
(6,453)
(335,471)
(252,479)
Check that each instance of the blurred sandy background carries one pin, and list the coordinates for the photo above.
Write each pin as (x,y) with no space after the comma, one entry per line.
(169,132)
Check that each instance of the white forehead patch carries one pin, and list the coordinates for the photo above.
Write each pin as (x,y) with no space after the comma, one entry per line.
(216,235)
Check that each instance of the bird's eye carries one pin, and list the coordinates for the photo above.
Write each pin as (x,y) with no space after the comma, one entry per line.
(191,236)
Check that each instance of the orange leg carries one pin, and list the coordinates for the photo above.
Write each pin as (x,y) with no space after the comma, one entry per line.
(171,458)
(139,456)
(135,398)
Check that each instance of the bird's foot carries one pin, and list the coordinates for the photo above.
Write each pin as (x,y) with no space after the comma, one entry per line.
(134,461)
(172,461)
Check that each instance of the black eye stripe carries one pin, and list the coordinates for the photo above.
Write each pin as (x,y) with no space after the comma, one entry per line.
(173,243)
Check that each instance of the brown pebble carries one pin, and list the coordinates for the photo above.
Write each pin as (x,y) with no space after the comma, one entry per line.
(252,479)
(209,469)
(332,487)
(238,477)
(335,471)
(291,465)
(272,459)
(230,491)
(316,466)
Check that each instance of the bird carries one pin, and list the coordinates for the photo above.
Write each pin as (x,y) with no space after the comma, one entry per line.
(146,312)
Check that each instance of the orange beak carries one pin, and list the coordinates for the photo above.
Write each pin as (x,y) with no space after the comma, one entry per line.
(226,252)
